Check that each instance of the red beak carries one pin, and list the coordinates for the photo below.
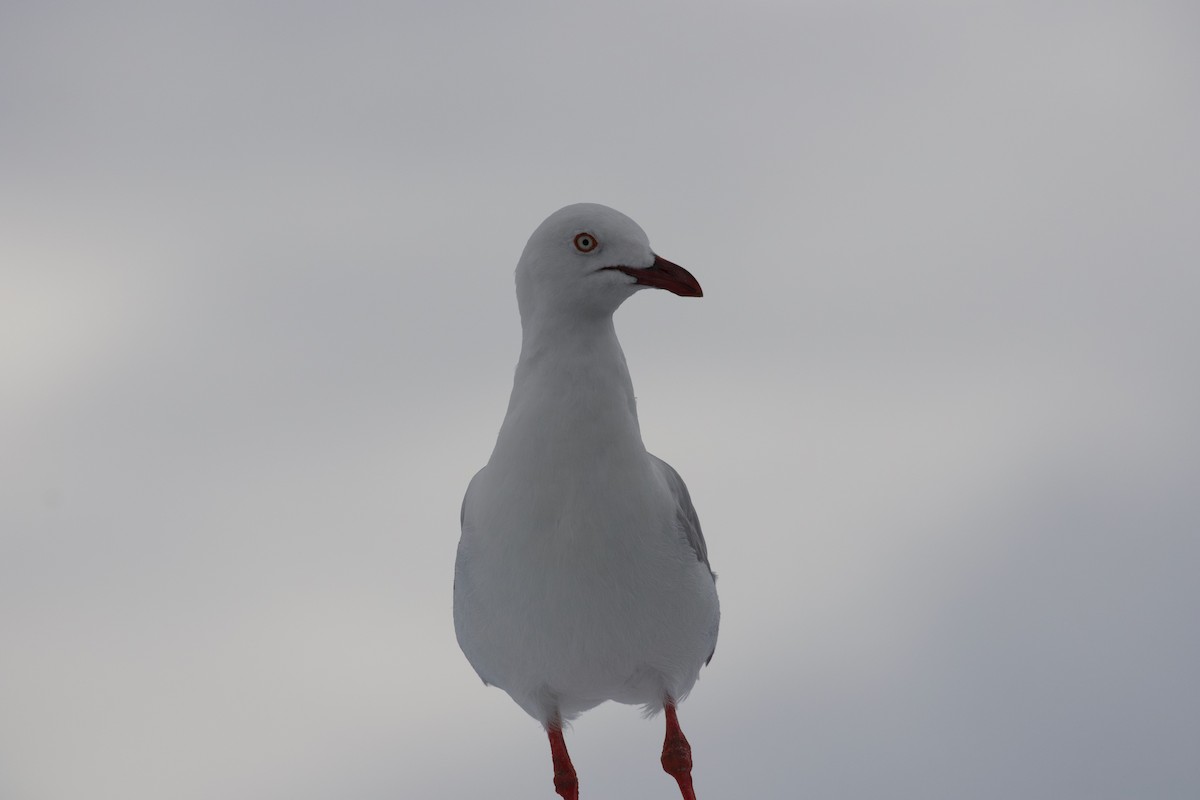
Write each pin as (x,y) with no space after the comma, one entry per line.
(663,274)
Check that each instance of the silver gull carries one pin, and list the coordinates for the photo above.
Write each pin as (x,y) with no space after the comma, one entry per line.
(582,574)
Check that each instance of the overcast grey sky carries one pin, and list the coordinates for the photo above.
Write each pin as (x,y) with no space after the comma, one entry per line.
(938,407)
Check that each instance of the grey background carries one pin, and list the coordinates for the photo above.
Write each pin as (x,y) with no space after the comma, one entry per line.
(938,408)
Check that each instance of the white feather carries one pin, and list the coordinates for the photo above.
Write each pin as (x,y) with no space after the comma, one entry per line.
(581,574)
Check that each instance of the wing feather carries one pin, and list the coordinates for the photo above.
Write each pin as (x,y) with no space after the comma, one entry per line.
(689,520)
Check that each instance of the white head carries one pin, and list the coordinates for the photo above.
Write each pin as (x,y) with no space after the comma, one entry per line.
(586,259)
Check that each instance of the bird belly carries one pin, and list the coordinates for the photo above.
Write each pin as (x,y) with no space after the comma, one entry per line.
(567,616)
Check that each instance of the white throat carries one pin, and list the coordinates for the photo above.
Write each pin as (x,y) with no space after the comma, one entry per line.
(572,400)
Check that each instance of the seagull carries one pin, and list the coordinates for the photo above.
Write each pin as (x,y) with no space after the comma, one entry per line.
(582,574)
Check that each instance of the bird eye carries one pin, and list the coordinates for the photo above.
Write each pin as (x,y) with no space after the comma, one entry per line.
(585,242)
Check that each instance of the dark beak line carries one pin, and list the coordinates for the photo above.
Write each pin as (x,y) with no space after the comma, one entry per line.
(663,274)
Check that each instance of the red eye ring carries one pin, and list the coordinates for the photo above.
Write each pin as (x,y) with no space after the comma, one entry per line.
(585,242)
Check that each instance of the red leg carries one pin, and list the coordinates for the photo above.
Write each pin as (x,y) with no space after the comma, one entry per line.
(565,782)
(677,755)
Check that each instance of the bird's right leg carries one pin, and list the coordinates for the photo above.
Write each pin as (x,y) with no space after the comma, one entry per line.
(565,782)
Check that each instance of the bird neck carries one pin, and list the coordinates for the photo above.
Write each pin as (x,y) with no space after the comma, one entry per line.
(572,395)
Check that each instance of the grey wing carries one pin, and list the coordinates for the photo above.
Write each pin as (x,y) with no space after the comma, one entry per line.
(688,519)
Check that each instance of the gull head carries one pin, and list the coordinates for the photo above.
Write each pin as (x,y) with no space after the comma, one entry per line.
(586,259)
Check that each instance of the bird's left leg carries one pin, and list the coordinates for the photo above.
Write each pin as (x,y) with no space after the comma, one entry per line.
(677,754)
